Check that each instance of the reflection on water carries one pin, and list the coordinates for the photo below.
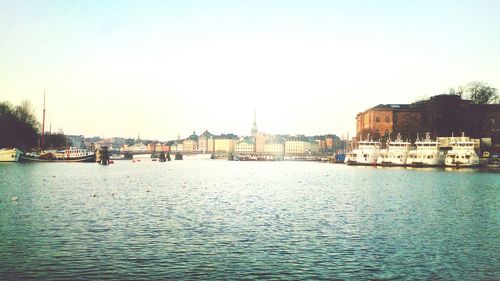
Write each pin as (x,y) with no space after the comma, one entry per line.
(247,220)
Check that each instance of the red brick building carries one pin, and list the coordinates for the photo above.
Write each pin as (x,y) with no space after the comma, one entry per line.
(441,115)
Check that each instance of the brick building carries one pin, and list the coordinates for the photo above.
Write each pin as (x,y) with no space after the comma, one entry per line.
(441,115)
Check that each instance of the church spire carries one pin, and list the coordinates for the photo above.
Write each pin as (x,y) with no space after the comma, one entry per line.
(254,127)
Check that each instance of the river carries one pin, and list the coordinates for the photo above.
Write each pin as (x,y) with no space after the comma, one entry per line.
(203,219)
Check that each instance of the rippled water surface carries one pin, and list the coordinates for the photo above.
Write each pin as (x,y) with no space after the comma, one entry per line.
(247,220)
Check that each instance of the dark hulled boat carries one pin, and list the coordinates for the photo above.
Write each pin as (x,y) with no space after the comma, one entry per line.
(66,155)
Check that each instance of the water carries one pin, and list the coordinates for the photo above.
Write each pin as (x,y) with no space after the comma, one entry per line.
(247,220)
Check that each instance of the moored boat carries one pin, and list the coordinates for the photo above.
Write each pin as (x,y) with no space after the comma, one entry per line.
(366,153)
(67,155)
(396,153)
(462,153)
(9,154)
(427,153)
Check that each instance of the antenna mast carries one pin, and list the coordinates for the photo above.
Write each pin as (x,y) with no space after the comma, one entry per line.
(43,123)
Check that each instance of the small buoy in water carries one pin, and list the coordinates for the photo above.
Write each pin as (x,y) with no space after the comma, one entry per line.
(93,195)
(14,198)
(112,194)
(147,190)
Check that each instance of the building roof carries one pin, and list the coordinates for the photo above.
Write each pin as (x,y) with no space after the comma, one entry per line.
(247,141)
(395,106)
(206,134)
(226,136)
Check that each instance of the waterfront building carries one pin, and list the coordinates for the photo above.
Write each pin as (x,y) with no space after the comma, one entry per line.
(314,147)
(190,145)
(157,147)
(441,115)
(225,143)
(176,147)
(211,144)
(165,147)
(203,142)
(260,140)
(380,120)
(297,147)
(321,143)
(329,143)
(274,147)
(245,146)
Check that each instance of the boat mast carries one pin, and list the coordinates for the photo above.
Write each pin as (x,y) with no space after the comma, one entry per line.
(43,123)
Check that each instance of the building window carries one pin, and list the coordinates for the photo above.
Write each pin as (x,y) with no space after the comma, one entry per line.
(387,119)
(377,119)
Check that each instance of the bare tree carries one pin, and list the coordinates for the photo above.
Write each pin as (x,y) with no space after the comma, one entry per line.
(482,93)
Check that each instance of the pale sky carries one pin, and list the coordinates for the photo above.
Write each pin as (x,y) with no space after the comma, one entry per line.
(166,68)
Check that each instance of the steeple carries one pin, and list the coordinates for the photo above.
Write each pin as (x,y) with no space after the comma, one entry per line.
(254,127)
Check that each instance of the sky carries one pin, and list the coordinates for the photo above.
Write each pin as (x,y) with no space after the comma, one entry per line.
(163,69)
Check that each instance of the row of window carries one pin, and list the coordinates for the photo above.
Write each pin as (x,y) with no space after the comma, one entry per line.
(415,156)
(387,119)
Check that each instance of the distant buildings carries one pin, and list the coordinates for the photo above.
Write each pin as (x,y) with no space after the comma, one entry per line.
(77,141)
(257,143)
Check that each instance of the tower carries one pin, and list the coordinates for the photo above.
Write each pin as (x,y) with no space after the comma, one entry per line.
(254,126)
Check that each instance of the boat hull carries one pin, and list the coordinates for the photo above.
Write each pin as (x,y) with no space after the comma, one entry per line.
(10,155)
(424,164)
(85,159)
(462,160)
(462,164)
(390,164)
(354,163)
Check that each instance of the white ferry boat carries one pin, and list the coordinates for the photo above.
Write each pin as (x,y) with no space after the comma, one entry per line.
(9,154)
(396,153)
(462,153)
(427,153)
(366,153)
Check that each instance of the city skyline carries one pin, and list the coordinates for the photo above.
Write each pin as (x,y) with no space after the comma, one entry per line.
(164,68)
